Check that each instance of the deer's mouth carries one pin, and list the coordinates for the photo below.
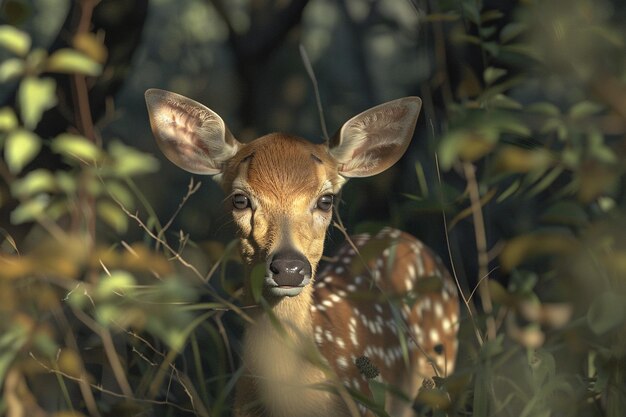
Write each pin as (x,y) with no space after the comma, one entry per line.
(272,288)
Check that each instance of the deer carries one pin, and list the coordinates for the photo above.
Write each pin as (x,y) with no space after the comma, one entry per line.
(301,350)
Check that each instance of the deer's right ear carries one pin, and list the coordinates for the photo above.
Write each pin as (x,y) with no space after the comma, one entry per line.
(189,134)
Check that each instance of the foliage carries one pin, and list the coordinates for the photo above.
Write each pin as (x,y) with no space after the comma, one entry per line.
(532,125)
(529,146)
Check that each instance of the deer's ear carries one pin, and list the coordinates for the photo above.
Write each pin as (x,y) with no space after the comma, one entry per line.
(374,140)
(189,134)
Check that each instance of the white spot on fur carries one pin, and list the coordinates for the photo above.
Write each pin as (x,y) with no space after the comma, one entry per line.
(438,310)
(342,362)
(340,342)
(352,331)
(410,269)
(434,335)
(356,384)
(445,324)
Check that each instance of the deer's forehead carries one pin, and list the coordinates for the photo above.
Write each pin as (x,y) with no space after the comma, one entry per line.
(284,168)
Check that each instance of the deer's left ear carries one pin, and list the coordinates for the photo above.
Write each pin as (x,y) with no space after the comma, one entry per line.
(374,140)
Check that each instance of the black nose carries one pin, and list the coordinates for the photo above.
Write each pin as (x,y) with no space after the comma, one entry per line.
(289,268)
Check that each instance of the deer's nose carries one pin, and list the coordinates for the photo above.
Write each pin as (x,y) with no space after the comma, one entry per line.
(289,268)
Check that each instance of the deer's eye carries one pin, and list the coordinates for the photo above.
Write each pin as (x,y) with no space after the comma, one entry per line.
(241,201)
(325,202)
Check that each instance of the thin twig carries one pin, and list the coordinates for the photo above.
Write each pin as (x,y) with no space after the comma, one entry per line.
(479,281)
(109,350)
(191,190)
(99,388)
(181,377)
(468,306)
(318,100)
(179,258)
(70,339)
(481,247)
(222,331)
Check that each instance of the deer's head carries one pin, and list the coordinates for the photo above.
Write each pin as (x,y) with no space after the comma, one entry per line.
(281,187)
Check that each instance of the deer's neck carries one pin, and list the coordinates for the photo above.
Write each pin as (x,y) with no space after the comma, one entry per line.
(278,348)
(284,331)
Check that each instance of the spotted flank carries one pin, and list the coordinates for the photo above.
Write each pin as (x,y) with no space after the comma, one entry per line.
(365,303)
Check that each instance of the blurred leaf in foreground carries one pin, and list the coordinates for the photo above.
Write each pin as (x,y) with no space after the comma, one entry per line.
(20,148)
(14,40)
(71,61)
(36,95)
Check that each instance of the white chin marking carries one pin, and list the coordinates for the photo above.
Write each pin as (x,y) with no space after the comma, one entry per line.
(284,291)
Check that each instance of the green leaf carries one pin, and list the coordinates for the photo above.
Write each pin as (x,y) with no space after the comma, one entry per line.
(511,31)
(492,48)
(471,11)
(11,68)
(66,182)
(112,215)
(604,154)
(509,191)
(544,107)
(501,101)
(20,148)
(30,210)
(555,125)
(606,312)
(116,284)
(76,146)
(91,45)
(70,61)
(379,391)
(120,193)
(35,96)
(14,40)
(40,180)
(513,159)
(467,145)
(129,161)
(491,74)
(8,119)
(584,109)
(486,31)
(566,213)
